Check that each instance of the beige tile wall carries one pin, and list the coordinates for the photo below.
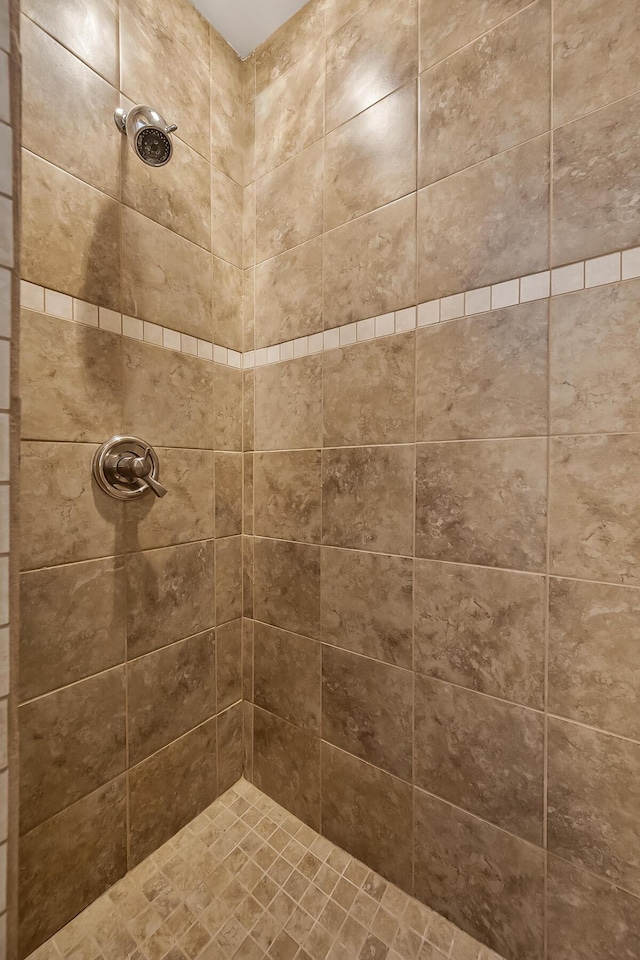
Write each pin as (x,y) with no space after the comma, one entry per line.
(131,647)
(441,535)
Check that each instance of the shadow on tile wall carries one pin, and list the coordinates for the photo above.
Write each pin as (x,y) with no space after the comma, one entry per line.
(441,530)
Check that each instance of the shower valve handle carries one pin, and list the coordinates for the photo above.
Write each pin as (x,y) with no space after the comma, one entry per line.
(131,468)
(126,467)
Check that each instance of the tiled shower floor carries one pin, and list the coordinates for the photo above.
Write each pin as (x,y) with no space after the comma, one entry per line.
(247,880)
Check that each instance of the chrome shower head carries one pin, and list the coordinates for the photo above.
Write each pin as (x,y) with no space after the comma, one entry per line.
(148,133)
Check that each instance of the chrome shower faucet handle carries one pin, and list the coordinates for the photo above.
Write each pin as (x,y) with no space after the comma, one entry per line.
(126,467)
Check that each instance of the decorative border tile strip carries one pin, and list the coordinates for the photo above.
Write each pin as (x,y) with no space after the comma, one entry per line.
(569,278)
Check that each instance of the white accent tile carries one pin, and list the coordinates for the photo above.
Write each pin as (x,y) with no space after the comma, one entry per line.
(5,375)
(261,357)
(405,320)
(152,333)
(31,296)
(234,359)
(566,279)
(205,350)
(58,304)
(286,350)
(536,286)
(602,270)
(86,313)
(4,446)
(109,320)
(385,325)
(428,313)
(315,342)
(452,307)
(4,590)
(366,329)
(348,334)
(170,339)
(505,294)
(249,360)
(332,339)
(133,327)
(220,354)
(477,301)
(301,347)
(5,302)
(631,263)
(189,344)
(273,353)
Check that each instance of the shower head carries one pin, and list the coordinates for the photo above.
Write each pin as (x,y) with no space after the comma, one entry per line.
(148,133)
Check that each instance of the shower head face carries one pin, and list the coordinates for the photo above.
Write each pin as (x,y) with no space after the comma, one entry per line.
(148,133)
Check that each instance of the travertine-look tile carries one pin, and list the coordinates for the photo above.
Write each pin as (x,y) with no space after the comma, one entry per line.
(596,182)
(70,234)
(370,264)
(482,629)
(488,882)
(72,619)
(181,20)
(155,68)
(227,412)
(177,196)
(365,811)
(289,112)
(248,409)
(595,350)
(488,97)
(228,283)
(279,745)
(168,396)
(71,742)
(367,709)
(484,376)
(367,498)
(367,604)
(228,664)
(228,579)
(289,204)
(593,522)
(288,495)
(447,25)
(287,676)
(62,521)
(230,748)
(247,493)
(228,494)
(227,108)
(288,294)
(89,28)
(292,41)
(169,691)
(594,631)
(165,278)
(70,860)
(371,159)
(589,916)
(248,577)
(185,514)
(484,755)
(593,796)
(60,97)
(157,809)
(368,392)
(593,56)
(288,405)
(287,585)
(226,217)
(482,502)
(504,231)
(169,595)
(372,55)
(70,380)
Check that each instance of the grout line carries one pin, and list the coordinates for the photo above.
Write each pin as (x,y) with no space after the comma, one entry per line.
(615,267)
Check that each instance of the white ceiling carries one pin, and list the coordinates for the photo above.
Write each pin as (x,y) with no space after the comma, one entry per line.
(246,23)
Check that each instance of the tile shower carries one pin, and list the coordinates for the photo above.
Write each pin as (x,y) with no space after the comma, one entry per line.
(379,318)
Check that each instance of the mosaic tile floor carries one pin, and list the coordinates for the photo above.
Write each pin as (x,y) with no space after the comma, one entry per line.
(247,880)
